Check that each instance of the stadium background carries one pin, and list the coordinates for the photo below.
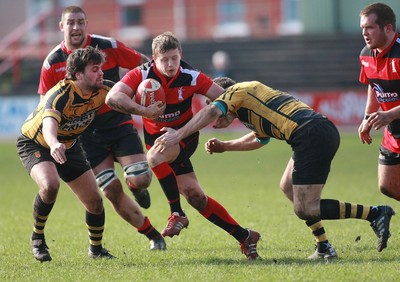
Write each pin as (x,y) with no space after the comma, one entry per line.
(309,48)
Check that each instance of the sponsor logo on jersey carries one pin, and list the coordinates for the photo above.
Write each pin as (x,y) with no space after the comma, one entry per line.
(79,121)
(365,63)
(383,96)
(170,117)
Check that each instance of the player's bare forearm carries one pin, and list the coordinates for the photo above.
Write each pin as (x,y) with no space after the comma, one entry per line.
(247,142)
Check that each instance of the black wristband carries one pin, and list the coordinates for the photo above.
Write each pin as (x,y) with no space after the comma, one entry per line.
(366,116)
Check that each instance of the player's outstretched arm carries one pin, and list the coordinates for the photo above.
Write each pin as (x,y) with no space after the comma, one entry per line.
(247,142)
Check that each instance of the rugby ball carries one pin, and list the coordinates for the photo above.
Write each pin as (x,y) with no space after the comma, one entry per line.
(149,92)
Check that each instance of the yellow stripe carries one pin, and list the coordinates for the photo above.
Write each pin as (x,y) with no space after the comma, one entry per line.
(365,212)
(316,226)
(95,235)
(353,211)
(95,243)
(321,238)
(342,210)
(38,231)
(95,227)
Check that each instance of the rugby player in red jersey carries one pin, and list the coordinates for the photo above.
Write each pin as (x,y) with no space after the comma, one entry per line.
(112,135)
(173,167)
(380,70)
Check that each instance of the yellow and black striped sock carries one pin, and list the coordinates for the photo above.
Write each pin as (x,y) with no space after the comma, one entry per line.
(335,209)
(319,234)
(40,214)
(95,225)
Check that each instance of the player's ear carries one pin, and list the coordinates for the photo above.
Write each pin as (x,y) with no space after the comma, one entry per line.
(61,26)
(78,75)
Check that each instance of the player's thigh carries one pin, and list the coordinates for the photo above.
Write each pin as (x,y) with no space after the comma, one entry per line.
(389,176)
(131,159)
(106,163)
(155,157)
(286,183)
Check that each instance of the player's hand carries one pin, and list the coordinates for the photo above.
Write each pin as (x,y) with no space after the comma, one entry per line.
(214,145)
(364,132)
(57,151)
(153,111)
(379,119)
(168,139)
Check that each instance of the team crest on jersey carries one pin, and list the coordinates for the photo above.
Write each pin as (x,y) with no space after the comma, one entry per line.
(393,66)
(180,93)
(37,154)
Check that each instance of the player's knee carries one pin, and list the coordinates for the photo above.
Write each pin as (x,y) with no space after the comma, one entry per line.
(138,175)
(306,214)
(153,157)
(49,189)
(98,206)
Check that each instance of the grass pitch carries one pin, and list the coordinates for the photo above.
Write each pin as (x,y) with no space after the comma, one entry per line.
(247,184)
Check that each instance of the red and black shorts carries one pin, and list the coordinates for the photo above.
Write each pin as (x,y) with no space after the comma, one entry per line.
(182,164)
(387,157)
(32,153)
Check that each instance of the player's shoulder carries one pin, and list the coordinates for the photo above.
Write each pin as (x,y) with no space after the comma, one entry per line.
(103,42)
(56,56)
(395,52)
(108,84)
(366,52)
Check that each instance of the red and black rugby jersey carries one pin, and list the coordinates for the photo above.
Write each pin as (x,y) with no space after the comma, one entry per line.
(179,92)
(117,55)
(382,72)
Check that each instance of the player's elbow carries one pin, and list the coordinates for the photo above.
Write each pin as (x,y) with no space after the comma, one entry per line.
(110,100)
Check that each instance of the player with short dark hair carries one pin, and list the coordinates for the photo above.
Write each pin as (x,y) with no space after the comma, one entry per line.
(271,113)
(380,70)
(111,136)
(173,168)
(49,147)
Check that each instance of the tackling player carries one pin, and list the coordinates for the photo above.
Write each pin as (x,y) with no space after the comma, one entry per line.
(112,135)
(173,168)
(270,113)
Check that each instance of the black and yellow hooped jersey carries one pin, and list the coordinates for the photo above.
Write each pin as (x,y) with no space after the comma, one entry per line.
(265,111)
(66,104)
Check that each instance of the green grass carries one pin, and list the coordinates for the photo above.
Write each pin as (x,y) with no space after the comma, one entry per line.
(247,184)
